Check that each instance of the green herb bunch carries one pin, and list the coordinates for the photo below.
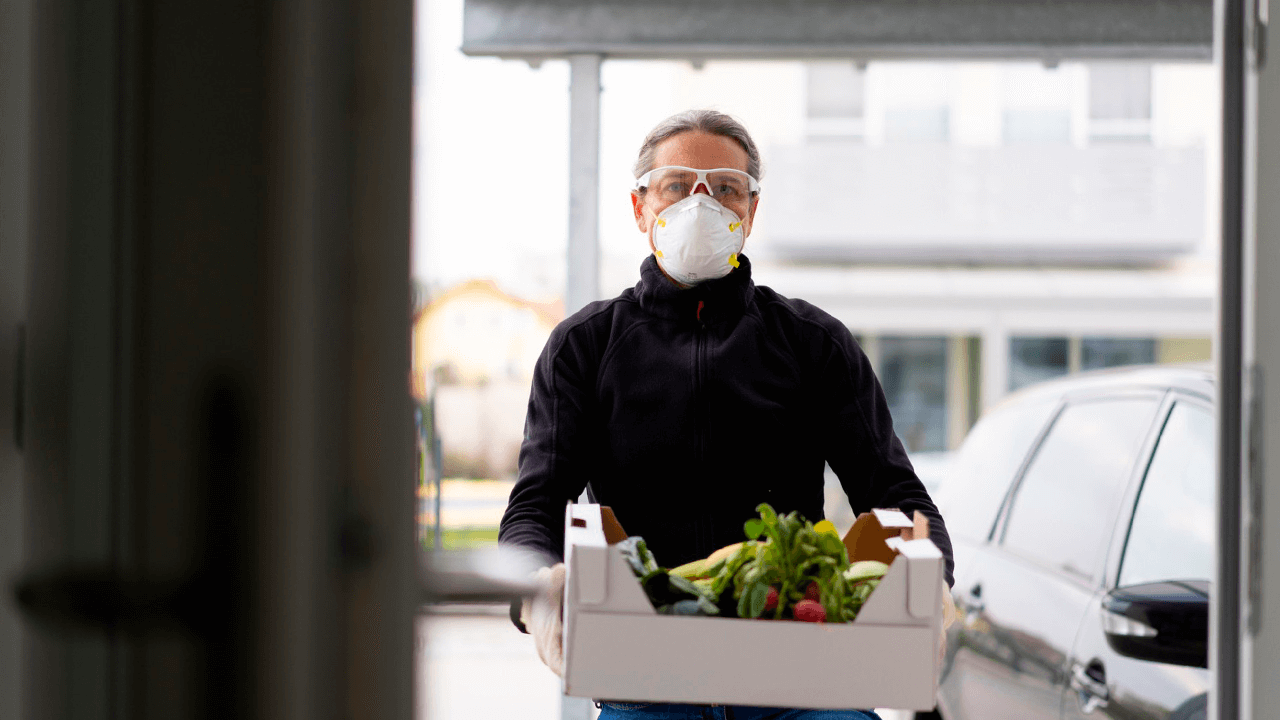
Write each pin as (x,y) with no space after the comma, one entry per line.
(791,557)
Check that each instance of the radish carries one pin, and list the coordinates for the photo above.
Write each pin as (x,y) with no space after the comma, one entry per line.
(813,592)
(771,601)
(810,611)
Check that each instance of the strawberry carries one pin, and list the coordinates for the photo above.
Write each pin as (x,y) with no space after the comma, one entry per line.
(810,611)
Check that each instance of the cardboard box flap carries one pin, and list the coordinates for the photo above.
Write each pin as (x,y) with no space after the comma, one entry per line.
(584,541)
(892,518)
(583,525)
(867,539)
(909,591)
(598,574)
(924,568)
(613,532)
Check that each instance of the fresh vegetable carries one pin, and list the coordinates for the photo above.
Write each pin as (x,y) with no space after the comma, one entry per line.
(787,568)
(810,611)
(801,562)
(812,592)
(692,570)
(866,570)
(670,594)
(708,566)
(638,556)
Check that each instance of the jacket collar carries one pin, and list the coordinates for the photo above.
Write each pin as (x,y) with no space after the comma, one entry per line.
(723,299)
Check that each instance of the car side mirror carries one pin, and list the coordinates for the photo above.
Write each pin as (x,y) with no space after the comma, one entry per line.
(1164,622)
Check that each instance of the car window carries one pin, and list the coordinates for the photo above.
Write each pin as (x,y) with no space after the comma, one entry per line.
(983,468)
(1065,505)
(1171,536)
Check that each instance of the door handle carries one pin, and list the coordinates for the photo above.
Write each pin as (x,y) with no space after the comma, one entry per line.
(1092,692)
(973,605)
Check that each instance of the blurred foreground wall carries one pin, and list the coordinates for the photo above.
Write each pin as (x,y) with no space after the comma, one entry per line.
(215,477)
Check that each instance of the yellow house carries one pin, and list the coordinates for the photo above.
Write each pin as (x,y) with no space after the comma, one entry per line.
(474,333)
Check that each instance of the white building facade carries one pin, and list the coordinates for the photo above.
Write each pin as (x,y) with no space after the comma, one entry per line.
(978,226)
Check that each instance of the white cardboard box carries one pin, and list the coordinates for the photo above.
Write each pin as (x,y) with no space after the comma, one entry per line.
(619,648)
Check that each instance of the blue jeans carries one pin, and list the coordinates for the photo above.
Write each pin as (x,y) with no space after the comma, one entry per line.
(661,711)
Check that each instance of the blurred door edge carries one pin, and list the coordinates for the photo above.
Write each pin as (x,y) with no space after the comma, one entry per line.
(216,204)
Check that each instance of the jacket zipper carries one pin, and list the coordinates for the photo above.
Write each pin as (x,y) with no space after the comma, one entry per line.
(704,419)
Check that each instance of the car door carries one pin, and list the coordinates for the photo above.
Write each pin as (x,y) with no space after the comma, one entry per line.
(1030,587)
(981,474)
(1168,538)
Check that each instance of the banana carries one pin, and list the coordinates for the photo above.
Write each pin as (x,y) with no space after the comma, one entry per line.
(723,553)
(707,566)
(691,570)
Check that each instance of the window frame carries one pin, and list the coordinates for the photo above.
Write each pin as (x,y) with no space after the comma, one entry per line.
(1124,507)
(1124,523)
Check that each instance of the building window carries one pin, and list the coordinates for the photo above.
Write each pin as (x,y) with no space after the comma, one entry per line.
(928,124)
(913,371)
(1119,102)
(1036,104)
(1032,360)
(834,99)
(1037,126)
(1109,352)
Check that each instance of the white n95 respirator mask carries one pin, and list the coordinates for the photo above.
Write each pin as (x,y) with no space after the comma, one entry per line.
(698,239)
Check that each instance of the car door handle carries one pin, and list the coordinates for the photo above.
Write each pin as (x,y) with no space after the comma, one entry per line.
(973,605)
(1092,692)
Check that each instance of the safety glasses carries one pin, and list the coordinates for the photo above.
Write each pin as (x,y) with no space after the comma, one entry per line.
(674,183)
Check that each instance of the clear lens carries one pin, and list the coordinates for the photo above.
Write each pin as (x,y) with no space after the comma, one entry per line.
(673,184)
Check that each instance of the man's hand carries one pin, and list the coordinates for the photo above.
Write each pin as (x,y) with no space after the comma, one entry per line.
(543,616)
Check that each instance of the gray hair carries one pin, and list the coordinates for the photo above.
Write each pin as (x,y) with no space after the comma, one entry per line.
(708,121)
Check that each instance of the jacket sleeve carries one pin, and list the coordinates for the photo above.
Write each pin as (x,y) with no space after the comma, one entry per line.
(555,456)
(860,444)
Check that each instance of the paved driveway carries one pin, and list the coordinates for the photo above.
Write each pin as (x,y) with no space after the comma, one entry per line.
(475,667)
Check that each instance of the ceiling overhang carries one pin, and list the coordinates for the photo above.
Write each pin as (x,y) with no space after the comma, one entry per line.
(1045,30)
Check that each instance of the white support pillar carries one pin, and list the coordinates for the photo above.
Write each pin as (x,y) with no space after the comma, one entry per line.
(583,278)
(958,400)
(583,256)
(995,366)
(871,348)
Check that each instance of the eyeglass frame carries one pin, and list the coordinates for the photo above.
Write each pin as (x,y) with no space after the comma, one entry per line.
(642,182)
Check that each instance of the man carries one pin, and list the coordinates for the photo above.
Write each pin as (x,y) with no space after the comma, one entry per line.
(696,395)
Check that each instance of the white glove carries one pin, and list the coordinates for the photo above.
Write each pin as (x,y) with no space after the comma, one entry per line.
(543,616)
(948,617)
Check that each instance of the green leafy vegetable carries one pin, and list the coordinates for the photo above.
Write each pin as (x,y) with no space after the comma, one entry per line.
(787,558)
(787,568)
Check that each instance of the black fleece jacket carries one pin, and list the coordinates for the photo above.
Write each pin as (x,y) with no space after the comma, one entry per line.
(684,409)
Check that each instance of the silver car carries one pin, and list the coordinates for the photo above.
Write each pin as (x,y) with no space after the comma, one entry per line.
(1083,521)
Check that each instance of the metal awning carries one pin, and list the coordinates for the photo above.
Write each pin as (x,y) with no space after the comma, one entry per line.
(1048,30)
